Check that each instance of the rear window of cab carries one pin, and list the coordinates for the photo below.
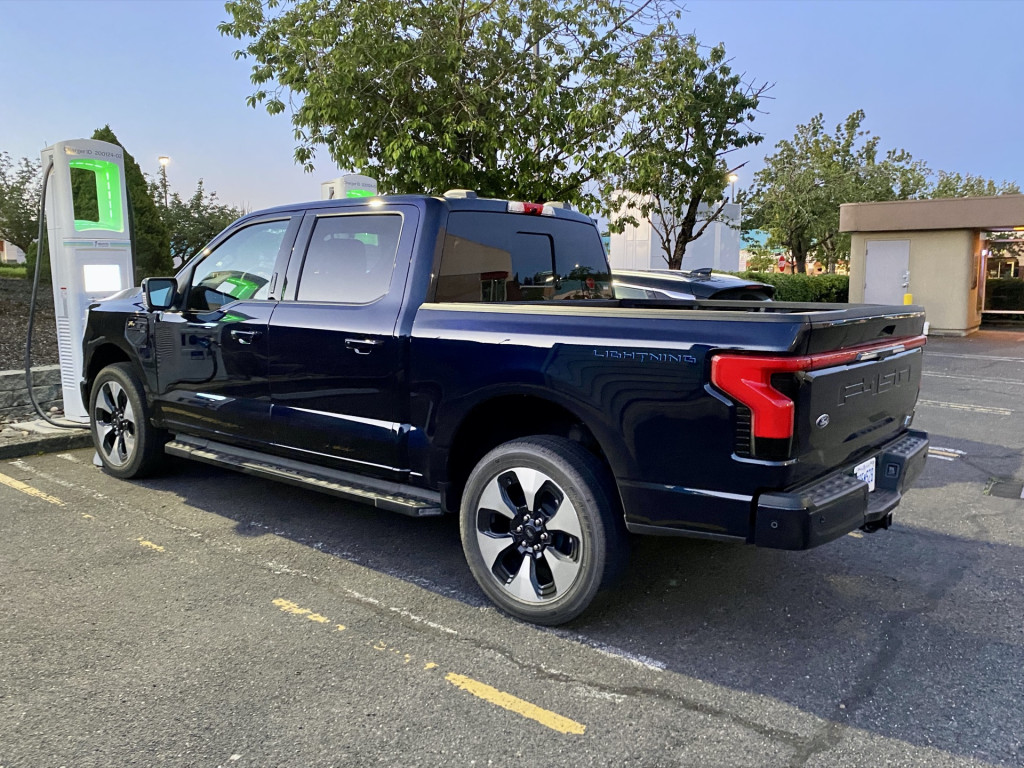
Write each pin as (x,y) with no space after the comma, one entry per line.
(497,257)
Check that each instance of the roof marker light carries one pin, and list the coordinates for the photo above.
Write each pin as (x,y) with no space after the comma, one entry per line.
(532,209)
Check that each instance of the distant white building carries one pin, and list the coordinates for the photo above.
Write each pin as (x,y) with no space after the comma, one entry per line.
(719,247)
(10,253)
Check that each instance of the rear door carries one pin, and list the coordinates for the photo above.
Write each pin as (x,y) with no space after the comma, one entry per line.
(211,355)
(336,361)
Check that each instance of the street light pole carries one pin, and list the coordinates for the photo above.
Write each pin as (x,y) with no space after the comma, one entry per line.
(164,160)
(733,178)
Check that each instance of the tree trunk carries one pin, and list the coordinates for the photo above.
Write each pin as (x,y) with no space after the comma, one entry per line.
(800,259)
(685,234)
(675,261)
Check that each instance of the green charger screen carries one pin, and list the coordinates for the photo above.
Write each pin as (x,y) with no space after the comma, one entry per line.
(96,186)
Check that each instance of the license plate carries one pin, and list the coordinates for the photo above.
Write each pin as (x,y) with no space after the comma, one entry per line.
(866,471)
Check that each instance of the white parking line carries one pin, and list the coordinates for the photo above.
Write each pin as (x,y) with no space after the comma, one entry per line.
(966,407)
(973,379)
(977,357)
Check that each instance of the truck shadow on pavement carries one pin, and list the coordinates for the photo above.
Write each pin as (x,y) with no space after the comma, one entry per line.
(911,634)
(976,463)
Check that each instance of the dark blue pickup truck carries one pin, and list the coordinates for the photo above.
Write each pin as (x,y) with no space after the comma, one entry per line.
(455,354)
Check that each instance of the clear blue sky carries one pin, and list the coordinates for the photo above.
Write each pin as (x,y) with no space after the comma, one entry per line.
(941,79)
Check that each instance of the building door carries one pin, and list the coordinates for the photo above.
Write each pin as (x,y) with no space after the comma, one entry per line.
(886,271)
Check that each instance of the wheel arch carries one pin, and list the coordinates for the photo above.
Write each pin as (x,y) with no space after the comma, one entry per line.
(106,354)
(504,417)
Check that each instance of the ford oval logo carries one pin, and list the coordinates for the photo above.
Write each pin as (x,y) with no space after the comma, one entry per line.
(822,421)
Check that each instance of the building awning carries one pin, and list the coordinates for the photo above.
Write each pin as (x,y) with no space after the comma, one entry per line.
(981,213)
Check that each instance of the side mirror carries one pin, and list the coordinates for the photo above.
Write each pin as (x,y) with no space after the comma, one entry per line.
(159,292)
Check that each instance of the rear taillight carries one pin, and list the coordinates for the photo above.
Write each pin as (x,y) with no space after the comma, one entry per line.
(748,379)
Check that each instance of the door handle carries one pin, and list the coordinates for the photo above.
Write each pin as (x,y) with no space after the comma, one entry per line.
(362,346)
(245,337)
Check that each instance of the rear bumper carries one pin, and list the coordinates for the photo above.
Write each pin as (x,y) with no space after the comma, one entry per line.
(839,503)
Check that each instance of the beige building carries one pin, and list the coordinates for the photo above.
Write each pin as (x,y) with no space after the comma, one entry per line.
(930,250)
(10,253)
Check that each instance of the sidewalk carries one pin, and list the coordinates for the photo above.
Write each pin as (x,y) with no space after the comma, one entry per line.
(25,438)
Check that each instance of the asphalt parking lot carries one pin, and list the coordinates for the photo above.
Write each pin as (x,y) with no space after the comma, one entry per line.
(205,618)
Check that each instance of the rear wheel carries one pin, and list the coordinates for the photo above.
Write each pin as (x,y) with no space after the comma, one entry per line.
(541,528)
(128,445)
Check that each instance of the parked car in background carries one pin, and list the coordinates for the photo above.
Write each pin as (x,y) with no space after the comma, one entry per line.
(696,284)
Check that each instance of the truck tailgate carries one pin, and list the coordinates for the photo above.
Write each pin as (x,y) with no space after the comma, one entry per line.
(843,411)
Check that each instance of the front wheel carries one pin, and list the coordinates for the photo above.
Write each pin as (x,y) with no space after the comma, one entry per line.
(128,445)
(541,528)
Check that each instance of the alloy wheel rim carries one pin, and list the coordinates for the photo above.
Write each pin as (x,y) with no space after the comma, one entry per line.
(115,424)
(529,535)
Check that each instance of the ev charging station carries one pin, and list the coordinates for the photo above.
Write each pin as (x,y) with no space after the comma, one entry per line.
(90,246)
(349,185)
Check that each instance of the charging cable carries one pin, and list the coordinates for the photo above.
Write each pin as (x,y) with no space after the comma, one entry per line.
(32,314)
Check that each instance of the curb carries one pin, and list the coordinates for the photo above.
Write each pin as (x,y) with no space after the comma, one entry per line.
(29,446)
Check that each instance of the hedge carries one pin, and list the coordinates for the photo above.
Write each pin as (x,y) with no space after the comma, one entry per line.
(1004,293)
(831,289)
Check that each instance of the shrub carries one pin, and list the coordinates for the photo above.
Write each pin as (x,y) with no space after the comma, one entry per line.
(30,260)
(831,289)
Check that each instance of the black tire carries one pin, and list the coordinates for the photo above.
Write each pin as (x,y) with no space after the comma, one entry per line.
(128,445)
(569,559)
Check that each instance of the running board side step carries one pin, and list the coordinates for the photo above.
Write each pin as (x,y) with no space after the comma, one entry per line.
(393,497)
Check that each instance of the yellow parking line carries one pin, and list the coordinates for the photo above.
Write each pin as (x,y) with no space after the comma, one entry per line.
(481,690)
(289,607)
(151,545)
(513,704)
(17,485)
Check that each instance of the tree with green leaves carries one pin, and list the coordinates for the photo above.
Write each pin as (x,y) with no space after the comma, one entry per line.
(760,258)
(517,98)
(19,200)
(796,196)
(967,185)
(193,221)
(151,248)
(691,113)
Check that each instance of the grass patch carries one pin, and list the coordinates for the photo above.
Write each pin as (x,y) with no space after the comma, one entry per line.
(13,270)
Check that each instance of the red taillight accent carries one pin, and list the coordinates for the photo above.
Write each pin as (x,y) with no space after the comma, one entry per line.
(748,379)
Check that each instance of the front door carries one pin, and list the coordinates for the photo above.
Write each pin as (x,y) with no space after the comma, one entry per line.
(886,271)
(335,358)
(212,355)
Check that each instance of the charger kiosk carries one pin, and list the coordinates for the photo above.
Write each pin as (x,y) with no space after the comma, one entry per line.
(349,185)
(90,246)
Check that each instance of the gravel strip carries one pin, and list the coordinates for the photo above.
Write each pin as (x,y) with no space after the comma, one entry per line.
(15,298)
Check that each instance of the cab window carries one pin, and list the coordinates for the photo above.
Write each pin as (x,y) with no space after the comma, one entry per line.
(240,268)
(497,257)
(350,258)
